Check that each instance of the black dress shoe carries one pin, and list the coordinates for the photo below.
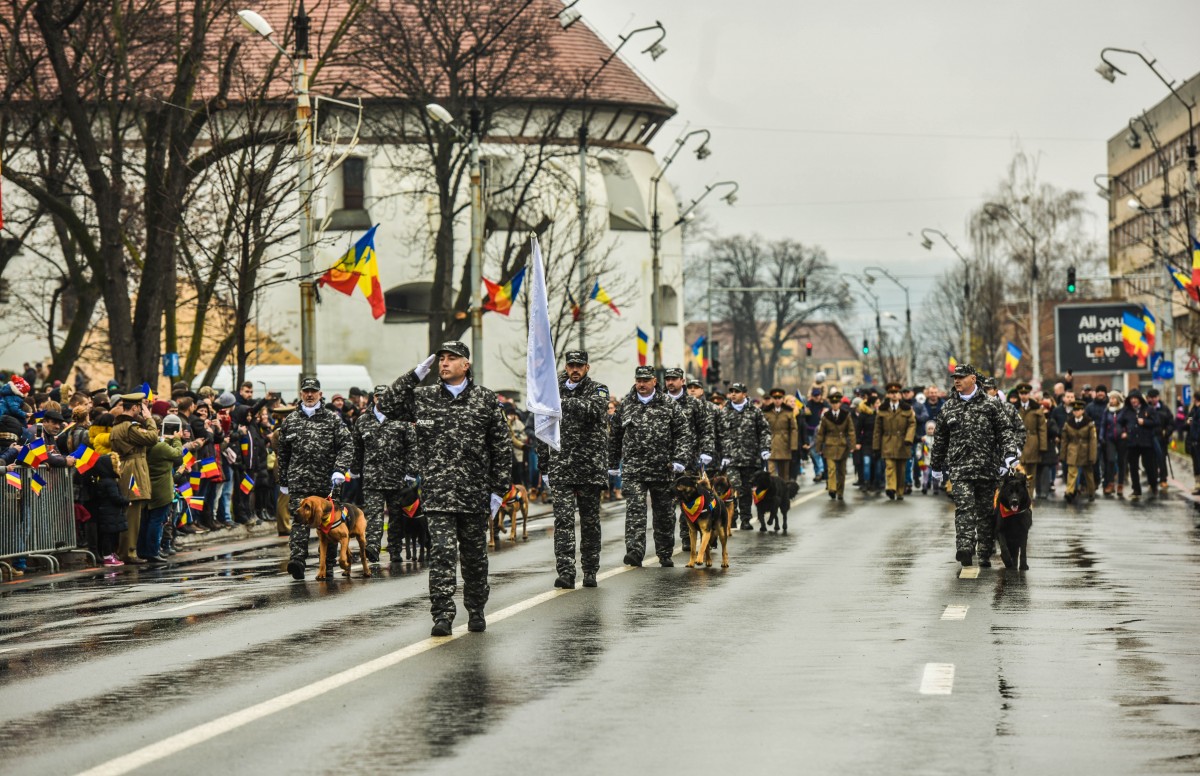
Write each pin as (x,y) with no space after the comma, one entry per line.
(476,624)
(564,582)
(964,557)
(156,560)
(667,563)
(632,560)
(840,497)
(891,494)
(440,628)
(589,579)
(296,569)
(832,495)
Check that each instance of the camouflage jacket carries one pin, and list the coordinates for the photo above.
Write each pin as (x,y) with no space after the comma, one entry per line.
(464,448)
(309,450)
(701,424)
(973,438)
(718,427)
(746,435)
(646,438)
(583,433)
(383,451)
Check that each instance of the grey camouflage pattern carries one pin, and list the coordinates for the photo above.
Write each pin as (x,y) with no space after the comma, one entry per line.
(973,438)
(974,521)
(700,423)
(583,434)
(645,439)
(635,518)
(309,450)
(745,435)
(566,500)
(457,537)
(383,452)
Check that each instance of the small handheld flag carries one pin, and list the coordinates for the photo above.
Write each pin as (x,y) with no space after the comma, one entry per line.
(185,490)
(133,487)
(85,458)
(188,459)
(246,484)
(209,469)
(36,483)
(35,453)
(499,297)
(194,481)
(245,446)
(699,352)
(14,479)
(196,504)
(146,389)
(643,346)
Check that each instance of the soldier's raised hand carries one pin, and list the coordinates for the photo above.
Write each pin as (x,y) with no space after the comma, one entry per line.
(422,369)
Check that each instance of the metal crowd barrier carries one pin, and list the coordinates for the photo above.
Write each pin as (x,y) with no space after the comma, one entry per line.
(35,525)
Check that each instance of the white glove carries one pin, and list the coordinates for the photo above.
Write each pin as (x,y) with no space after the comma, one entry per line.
(938,476)
(409,479)
(283,490)
(766,454)
(1011,462)
(677,467)
(1003,470)
(422,369)
(337,479)
(614,472)
(724,463)
(705,459)
(496,502)
(545,480)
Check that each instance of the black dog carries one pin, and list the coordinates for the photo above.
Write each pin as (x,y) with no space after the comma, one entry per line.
(1014,518)
(410,527)
(772,496)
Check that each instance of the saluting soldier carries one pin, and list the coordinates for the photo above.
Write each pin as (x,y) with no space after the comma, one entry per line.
(313,453)
(648,444)
(1036,441)
(747,443)
(703,436)
(577,472)
(466,463)
(895,430)
(835,440)
(384,456)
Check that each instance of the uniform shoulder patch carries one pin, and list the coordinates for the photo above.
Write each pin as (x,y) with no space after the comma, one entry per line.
(601,390)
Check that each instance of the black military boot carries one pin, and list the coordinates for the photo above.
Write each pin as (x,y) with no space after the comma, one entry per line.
(476,623)
(666,562)
(373,554)
(964,557)
(441,627)
(589,579)
(296,568)
(565,582)
(632,560)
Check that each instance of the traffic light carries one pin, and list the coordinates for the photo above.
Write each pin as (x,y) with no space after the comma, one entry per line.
(866,347)
(808,349)
(1070,280)
(803,292)
(713,374)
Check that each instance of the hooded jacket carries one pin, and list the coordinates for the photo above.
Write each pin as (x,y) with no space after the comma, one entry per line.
(1137,435)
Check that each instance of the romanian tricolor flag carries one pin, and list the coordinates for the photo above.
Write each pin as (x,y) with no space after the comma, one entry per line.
(1149,329)
(36,483)
(35,453)
(185,490)
(499,298)
(358,269)
(146,389)
(209,469)
(245,446)
(699,353)
(188,459)
(411,509)
(85,458)
(1012,357)
(1195,262)
(953,362)
(196,504)
(1184,283)
(133,488)
(576,311)
(185,517)
(643,346)
(14,479)
(246,484)
(693,511)
(1133,336)
(194,481)
(601,296)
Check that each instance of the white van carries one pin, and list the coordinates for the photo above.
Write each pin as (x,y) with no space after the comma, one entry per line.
(285,380)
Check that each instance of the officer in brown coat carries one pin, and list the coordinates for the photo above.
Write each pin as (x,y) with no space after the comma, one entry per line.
(1079,451)
(835,440)
(895,429)
(785,436)
(133,433)
(1036,442)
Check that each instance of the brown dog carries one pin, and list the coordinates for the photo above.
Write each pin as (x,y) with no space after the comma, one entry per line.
(335,524)
(516,500)
(707,519)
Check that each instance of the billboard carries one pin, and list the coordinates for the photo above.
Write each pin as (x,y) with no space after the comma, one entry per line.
(1087,338)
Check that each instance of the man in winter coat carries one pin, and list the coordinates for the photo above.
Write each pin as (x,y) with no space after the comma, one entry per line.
(384,457)
(133,433)
(1036,439)
(1193,439)
(895,430)
(974,441)
(1079,451)
(465,467)
(1138,425)
(1097,410)
(577,472)
(648,445)
(785,436)
(835,440)
(747,443)
(1162,436)
(703,436)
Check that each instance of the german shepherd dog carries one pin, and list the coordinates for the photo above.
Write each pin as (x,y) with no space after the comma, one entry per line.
(1014,517)
(772,496)
(335,524)
(516,500)
(707,515)
(724,489)
(410,527)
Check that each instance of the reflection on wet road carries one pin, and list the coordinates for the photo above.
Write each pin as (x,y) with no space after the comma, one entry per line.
(811,647)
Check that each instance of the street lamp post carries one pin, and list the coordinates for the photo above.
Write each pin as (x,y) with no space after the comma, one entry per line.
(908,340)
(656,235)
(1035,324)
(927,244)
(686,216)
(878,323)
(299,59)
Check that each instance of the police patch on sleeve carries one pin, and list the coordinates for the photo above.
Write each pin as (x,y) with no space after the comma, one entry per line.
(602,390)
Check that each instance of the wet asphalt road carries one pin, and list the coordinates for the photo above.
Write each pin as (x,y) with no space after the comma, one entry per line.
(811,654)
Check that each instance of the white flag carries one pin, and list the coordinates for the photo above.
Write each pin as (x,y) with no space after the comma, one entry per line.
(541,373)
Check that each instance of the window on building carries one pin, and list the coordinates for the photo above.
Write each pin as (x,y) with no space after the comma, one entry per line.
(354,175)
(408,303)
(670,305)
(626,208)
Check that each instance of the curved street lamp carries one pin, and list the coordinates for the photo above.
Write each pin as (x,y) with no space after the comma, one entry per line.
(908,340)
(992,209)
(927,244)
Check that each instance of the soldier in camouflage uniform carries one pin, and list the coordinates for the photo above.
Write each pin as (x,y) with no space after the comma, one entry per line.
(1010,410)
(975,440)
(465,463)
(695,389)
(384,456)
(648,444)
(703,436)
(577,471)
(746,440)
(313,453)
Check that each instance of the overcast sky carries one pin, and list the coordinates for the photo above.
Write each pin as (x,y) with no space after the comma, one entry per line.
(852,125)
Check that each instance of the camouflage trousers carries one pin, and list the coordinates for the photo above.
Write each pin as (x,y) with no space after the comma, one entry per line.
(566,499)
(742,479)
(974,519)
(298,538)
(374,501)
(635,518)
(456,534)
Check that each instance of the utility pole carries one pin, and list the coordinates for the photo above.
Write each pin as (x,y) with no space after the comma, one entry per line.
(308,287)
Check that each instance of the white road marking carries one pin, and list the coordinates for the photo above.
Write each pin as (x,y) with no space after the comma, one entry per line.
(955,612)
(938,679)
(171,745)
(969,572)
(194,603)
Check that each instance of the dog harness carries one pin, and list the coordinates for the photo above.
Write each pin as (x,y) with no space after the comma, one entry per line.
(510,496)
(727,496)
(694,510)
(759,495)
(1004,511)
(411,510)
(335,518)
